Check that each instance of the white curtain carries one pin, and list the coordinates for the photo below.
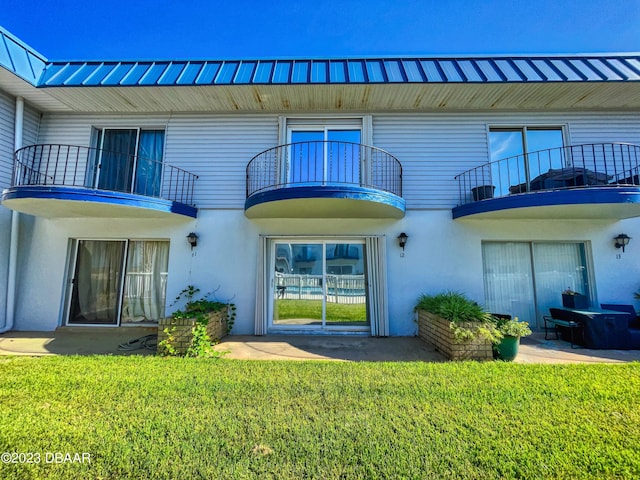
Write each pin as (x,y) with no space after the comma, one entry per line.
(145,281)
(558,267)
(377,286)
(525,279)
(98,277)
(261,312)
(508,280)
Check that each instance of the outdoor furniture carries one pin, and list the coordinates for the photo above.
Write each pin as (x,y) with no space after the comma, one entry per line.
(562,178)
(601,328)
(562,319)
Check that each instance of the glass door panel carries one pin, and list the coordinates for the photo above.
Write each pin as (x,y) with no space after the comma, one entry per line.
(558,267)
(117,157)
(95,298)
(508,176)
(298,295)
(526,279)
(343,156)
(145,283)
(148,175)
(544,143)
(508,280)
(306,157)
(346,302)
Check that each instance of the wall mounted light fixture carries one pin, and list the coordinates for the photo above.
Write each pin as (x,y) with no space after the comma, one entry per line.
(192,238)
(402,240)
(622,241)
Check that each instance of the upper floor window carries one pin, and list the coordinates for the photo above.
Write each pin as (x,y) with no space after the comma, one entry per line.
(127,160)
(521,154)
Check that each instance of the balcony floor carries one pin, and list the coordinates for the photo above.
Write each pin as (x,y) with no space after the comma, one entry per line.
(331,201)
(597,202)
(75,202)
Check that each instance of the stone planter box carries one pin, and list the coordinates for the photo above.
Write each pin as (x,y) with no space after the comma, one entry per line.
(183,333)
(435,330)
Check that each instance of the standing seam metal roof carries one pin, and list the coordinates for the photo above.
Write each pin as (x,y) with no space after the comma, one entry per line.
(25,62)
(19,58)
(606,68)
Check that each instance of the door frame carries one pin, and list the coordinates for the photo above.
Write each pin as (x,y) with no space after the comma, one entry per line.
(72,260)
(270,285)
(71,273)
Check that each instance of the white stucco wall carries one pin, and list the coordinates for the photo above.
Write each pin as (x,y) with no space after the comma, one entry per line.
(441,254)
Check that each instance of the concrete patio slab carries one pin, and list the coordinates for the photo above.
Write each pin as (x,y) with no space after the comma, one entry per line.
(345,348)
(76,341)
(106,341)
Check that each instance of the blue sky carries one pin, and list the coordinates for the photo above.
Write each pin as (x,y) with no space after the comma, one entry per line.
(240,29)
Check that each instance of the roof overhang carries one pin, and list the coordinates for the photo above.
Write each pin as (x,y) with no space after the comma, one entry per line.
(347,97)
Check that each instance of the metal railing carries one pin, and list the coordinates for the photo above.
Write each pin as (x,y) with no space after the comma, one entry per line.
(77,166)
(575,166)
(318,163)
(345,289)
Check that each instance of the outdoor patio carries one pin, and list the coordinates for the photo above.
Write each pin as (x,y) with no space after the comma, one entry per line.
(106,341)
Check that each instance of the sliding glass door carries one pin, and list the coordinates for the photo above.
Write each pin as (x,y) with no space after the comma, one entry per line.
(97,282)
(117,282)
(127,160)
(525,279)
(324,156)
(318,285)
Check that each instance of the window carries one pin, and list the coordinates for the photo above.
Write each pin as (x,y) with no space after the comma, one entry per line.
(127,160)
(521,154)
(525,279)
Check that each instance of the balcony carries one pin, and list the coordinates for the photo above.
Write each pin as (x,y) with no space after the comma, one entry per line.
(594,181)
(324,179)
(73,181)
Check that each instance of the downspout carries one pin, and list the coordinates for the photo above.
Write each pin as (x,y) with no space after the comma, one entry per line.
(15,222)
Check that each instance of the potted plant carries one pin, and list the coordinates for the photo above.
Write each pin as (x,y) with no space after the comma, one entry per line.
(574,300)
(458,327)
(506,348)
(482,192)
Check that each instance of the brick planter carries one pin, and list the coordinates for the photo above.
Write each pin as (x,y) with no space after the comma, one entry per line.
(435,330)
(183,333)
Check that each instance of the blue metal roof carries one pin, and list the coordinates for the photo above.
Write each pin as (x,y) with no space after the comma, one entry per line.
(19,58)
(591,68)
(25,62)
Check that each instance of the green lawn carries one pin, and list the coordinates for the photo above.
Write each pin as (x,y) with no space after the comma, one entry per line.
(151,417)
(336,312)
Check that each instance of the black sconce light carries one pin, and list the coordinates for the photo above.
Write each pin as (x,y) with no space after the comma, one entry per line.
(192,238)
(622,241)
(402,240)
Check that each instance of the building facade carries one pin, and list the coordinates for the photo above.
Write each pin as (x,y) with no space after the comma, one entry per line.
(510,176)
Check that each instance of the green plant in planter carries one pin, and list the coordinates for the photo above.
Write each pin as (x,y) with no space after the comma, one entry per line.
(506,348)
(458,310)
(512,327)
(199,310)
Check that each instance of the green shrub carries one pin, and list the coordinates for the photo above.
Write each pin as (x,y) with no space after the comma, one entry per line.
(201,343)
(513,327)
(458,309)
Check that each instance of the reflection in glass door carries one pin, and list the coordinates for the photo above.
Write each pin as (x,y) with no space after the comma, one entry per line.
(319,285)
(345,280)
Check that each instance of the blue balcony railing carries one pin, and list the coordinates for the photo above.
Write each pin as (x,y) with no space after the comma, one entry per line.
(322,163)
(575,166)
(76,166)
